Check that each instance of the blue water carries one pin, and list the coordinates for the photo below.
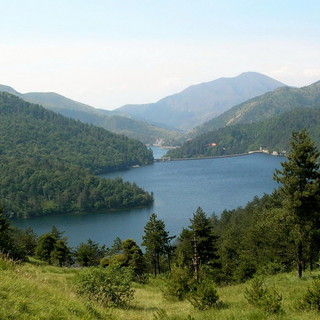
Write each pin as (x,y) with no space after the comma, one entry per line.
(179,187)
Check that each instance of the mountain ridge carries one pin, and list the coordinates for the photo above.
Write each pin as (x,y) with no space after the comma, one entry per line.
(145,132)
(197,103)
(270,104)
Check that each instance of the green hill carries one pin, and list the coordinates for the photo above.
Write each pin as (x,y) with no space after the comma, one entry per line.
(143,131)
(48,163)
(265,106)
(273,134)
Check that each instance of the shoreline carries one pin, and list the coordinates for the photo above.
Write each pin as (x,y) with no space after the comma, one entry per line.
(216,157)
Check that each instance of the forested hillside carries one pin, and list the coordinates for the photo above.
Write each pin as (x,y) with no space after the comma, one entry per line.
(48,163)
(272,134)
(120,124)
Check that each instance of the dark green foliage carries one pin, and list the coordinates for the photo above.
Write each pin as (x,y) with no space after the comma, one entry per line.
(157,242)
(89,253)
(10,243)
(133,257)
(126,254)
(274,233)
(179,283)
(300,190)
(253,239)
(47,163)
(258,295)
(111,286)
(204,296)
(272,134)
(200,234)
(61,254)
(52,248)
(202,229)
(26,240)
(45,246)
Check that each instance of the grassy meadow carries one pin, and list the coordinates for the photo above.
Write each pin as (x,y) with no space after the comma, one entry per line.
(38,291)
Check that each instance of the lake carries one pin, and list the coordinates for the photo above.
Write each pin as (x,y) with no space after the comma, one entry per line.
(179,187)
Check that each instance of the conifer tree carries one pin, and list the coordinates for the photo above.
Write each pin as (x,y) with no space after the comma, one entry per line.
(201,231)
(300,179)
(157,242)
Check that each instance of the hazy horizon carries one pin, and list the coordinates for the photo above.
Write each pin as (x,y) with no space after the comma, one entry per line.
(107,54)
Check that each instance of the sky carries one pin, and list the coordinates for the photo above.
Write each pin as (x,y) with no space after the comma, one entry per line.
(108,53)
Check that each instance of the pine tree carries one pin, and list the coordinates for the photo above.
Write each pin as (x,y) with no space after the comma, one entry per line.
(300,179)
(157,242)
(201,228)
(201,231)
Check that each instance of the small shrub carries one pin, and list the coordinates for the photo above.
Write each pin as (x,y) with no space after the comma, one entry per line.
(204,296)
(256,293)
(110,286)
(269,300)
(311,299)
(179,284)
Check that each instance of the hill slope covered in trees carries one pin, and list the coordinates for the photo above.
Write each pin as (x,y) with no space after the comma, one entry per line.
(143,131)
(272,134)
(48,163)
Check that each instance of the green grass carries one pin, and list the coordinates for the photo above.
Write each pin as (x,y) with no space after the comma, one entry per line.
(38,291)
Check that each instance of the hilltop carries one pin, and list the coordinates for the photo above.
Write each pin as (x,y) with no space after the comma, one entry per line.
(266,106)
(199,103)
(264,122)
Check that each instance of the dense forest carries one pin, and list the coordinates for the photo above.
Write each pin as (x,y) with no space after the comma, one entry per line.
(272,134)
(48,163)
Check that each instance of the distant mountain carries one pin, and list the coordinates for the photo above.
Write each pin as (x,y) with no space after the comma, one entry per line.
(272,134)
(199,103)
(145,132)
(265,106)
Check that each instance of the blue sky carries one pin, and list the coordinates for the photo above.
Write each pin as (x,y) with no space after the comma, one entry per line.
(110,53)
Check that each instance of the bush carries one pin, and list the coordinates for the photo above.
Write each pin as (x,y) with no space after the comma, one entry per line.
(269,300)
(311,299)
(179,284)
(204,296)
(110,286)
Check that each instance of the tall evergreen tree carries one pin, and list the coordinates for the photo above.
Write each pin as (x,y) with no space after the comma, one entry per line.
(300,179)
(157,242)
(201,231)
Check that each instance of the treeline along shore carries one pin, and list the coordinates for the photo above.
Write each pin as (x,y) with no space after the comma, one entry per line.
(163,159)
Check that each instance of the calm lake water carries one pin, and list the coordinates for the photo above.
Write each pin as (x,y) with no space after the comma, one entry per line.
(179,187)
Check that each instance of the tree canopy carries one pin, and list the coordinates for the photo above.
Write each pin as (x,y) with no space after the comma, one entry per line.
(48,163)
(300,188)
